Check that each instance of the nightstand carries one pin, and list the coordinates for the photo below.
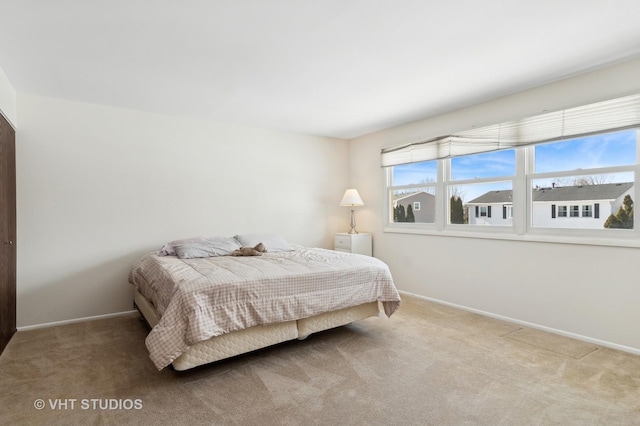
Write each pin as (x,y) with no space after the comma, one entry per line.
(353,243)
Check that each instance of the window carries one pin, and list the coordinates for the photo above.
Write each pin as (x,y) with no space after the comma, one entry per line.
(569,173)
(605,193)
(575,211)
(480,182)
(562,211)
(507,212)
(413,192)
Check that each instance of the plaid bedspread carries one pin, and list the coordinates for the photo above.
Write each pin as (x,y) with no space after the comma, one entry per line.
(202,298)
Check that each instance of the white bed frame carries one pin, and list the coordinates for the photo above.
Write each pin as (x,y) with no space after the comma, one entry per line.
(252,338)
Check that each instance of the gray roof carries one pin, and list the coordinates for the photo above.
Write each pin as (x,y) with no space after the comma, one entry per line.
(411,194)
(606,191)
(494,197)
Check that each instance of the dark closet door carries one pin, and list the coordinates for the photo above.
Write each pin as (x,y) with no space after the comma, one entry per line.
(7,232)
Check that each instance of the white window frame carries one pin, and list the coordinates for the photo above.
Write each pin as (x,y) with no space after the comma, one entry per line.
(416,206)
(522,228)
(449,182)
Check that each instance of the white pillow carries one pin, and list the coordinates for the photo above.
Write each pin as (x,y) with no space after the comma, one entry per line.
(272,242)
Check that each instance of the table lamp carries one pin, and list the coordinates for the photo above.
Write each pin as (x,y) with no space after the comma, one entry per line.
(351,198)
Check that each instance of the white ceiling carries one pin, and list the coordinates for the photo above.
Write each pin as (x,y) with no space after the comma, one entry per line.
(339,68)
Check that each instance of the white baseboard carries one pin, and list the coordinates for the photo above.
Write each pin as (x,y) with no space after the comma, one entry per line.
(598,342)
(76,320)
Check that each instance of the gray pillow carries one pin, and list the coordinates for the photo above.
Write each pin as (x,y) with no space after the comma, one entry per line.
(207,247)
(169,248)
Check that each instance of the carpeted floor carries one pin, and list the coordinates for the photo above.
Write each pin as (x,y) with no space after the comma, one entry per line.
(427,365)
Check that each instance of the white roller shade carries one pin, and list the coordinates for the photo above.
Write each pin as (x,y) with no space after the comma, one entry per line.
(612,115)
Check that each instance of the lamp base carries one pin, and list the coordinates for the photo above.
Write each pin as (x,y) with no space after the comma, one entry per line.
(353,223)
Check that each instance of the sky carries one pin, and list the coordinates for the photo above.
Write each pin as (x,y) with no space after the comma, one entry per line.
(608,150)
(612,149)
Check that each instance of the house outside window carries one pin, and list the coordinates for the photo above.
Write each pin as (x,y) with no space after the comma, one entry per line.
(606,199)
(404,206)
(492,209)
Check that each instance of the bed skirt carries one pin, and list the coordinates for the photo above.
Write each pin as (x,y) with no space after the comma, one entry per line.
(257,337)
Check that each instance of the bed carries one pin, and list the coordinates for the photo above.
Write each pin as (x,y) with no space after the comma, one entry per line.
(204,304)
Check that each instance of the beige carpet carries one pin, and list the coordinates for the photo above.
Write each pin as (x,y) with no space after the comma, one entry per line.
(427,365)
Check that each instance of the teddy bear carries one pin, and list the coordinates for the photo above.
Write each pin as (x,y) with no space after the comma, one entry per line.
(250,251)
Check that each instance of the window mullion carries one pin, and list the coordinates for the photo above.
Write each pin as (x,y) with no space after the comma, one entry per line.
(444,174)
(520,184)
(636,190)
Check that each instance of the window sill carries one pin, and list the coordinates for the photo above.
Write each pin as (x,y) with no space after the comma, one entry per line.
(507,234)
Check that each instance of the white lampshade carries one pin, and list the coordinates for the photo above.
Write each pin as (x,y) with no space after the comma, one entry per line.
(351,198)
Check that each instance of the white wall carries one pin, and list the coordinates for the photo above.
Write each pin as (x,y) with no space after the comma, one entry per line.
(590,291)
(100,186)
(8,100)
